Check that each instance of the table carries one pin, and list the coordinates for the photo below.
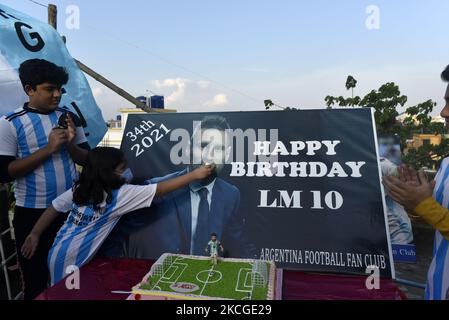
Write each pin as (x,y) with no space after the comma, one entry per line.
(103,275)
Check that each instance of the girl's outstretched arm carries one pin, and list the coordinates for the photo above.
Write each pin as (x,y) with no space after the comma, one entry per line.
(181,181)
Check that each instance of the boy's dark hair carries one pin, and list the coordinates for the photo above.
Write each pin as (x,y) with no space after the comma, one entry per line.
(213,234)
(445,74)
(37,71)
(98,177)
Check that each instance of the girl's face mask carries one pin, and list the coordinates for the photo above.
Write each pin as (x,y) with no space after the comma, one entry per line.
(127,175)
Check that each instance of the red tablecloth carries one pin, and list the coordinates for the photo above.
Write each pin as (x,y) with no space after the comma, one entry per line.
(102,276)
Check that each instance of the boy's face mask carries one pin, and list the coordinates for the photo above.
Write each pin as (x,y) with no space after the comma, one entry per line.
(127,175)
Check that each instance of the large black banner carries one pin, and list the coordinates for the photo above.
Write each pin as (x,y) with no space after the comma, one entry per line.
(301,188)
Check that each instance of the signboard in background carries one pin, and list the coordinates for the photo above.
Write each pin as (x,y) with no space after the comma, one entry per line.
(23,37)
(301,188)
(399,223)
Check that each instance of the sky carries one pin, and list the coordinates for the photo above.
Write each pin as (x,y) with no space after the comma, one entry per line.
(205,55)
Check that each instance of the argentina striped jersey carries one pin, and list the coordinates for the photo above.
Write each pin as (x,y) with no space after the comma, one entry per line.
(438,275)
(25,131)
(86,229)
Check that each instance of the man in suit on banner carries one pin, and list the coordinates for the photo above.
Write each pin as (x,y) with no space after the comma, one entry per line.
(183,221)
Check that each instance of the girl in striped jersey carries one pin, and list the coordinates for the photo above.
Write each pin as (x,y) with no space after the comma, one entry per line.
(95,204)
(431,202)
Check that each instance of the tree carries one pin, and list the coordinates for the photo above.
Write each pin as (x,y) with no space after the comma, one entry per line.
(350,84)
(268,104)
(385,102)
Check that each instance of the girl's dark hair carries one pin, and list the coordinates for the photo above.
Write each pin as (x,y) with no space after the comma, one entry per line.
(445,74)
(37,71)
(98,177)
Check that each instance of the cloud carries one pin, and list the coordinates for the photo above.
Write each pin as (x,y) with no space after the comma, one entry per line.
(185,95)
(97,92)
(218,100)
(203,84)
(178,84)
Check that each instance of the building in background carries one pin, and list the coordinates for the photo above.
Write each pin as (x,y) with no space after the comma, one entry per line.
(420,140)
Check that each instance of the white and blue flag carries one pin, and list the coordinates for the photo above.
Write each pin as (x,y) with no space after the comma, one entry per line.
(23,37)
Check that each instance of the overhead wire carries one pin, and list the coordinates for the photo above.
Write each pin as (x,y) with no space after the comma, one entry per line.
(176,65)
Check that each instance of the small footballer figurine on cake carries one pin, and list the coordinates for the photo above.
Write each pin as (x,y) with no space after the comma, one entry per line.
(212,247)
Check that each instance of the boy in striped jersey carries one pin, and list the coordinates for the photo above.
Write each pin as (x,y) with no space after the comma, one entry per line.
(39,155)
(429,200)
(98,200)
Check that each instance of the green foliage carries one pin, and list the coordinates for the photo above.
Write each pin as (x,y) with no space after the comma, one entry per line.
(385,102)
(268,104)
(350,83)
(428,156)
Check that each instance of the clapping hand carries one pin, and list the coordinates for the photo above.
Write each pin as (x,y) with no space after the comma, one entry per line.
(408,189)
(408,175)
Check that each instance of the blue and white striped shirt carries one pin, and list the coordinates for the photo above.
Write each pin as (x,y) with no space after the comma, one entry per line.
(25,131)
(86,229)
(438,275)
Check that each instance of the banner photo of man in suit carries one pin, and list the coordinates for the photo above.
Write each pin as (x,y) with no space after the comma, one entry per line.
(301,188)
(184,220)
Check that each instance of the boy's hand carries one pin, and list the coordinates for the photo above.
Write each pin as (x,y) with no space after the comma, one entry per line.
(71,129)
(56,139)
(203,171)
(29,246)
